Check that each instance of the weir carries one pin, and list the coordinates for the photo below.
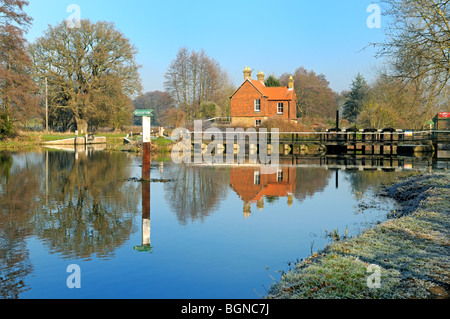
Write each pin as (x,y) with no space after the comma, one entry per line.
(336,141)
(332,142)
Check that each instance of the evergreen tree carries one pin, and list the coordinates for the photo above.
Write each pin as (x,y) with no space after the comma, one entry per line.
(355,98)
(272,81)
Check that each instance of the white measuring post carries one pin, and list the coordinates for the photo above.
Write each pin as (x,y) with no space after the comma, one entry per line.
(146,161)
(146,129)
(146,124)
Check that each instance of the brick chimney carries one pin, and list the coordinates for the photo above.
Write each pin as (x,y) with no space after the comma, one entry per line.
(291,83)
(260,77)
(247,209)
(247,73)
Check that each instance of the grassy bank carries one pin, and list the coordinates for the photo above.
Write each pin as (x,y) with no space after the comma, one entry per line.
(410,251)
(159,147)
(32,139)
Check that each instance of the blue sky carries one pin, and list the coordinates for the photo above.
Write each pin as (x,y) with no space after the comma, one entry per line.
(272,36)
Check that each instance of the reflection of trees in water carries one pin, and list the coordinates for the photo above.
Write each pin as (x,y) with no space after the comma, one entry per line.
(17,208)
(196,191)
(271,199)
(90,211)
(6,162)
(78,207)
(311,181)
(15,265)
(363,181)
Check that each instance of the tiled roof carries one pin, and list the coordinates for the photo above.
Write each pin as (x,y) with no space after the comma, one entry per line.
(259,86)
(274,93)
(281,93)
(242,182)
(280,189)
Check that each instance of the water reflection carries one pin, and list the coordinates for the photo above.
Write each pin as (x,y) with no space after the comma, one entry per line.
(89,213)
(17,206)
(253,184)
(196,191)
(82,204)
(72,202)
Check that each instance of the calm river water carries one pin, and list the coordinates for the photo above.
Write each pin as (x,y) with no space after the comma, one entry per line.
(192,232)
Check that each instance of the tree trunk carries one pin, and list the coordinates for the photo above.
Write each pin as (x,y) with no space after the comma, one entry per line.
(82,126)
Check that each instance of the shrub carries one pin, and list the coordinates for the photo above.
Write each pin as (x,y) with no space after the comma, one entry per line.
(6,128)
(284,125)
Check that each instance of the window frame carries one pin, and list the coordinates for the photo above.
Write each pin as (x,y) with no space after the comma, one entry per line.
(259,105)
(257,178)
(278,108)
(279,175)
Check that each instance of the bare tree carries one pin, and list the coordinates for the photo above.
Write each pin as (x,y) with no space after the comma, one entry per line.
(418,44)
(314,95)
(173,118)
(159,102)
(86,67)
(193,78)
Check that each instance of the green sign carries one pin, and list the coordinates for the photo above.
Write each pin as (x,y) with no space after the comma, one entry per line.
(143,113)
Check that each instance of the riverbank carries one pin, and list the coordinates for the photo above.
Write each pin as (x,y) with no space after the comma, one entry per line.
(410,252)
(27,140)
(160,147)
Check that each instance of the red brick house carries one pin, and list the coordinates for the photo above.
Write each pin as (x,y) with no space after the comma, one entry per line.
(253,102)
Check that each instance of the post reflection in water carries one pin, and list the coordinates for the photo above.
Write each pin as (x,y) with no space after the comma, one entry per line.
(146,161)
(337,179)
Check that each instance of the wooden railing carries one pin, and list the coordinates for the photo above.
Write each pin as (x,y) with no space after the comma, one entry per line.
(345,136)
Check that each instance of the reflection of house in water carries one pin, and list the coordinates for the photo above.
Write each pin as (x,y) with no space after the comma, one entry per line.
(252,184)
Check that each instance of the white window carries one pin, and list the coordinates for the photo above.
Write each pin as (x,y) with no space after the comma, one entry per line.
(257,122)
(280,175)
(257,178)
(257,105)
(280,108)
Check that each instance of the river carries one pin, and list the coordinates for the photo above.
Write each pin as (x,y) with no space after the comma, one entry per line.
(193,231)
